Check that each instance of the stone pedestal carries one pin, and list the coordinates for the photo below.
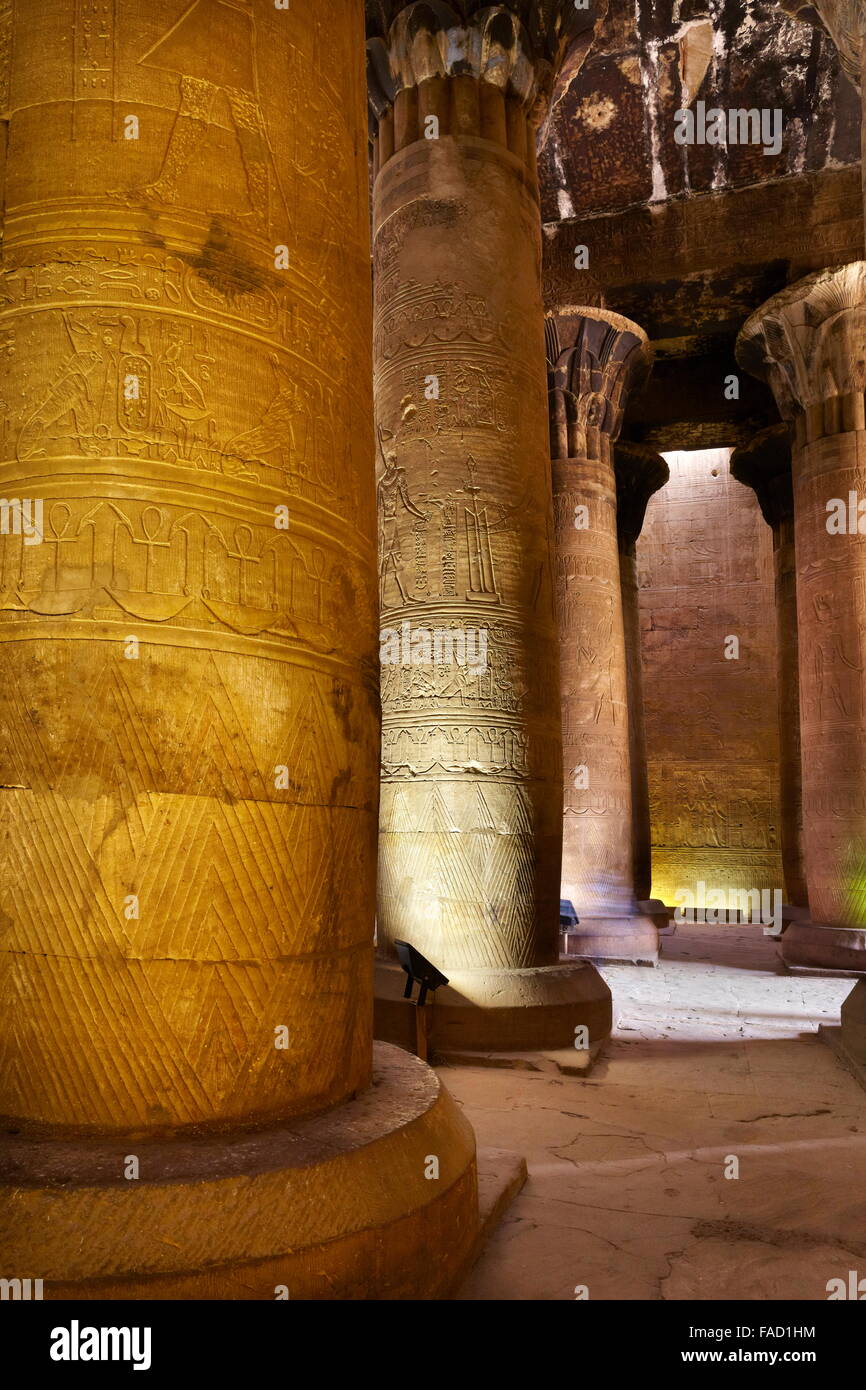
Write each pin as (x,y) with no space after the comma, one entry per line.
(328,1207)
(765,466)
(848,1037)
(470,824)
(853,1018)
(809,343)
(640,472)
(605,356)
(188,700)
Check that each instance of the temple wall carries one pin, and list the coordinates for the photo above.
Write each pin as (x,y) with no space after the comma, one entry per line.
(705,562)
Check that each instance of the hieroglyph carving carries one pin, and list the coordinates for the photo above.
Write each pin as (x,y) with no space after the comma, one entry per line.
(200,611)
(469,837)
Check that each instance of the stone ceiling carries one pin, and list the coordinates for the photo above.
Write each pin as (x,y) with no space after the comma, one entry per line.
(688,239)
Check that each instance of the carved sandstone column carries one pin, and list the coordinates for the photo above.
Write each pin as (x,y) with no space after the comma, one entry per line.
(188,698)
(809,343)
(470,826)
(640,472)
(765,466)
(607,356)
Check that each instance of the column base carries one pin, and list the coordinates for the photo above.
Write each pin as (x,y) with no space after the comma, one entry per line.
(853,1019)
(656,909)
(791,912)
(808,945)
(621,939)
(333,1207)
(522,1010)
(848,1041)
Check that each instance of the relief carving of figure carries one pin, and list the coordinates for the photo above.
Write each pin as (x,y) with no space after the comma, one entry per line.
(71,396)
(832,663)
(212,48)
(392,496)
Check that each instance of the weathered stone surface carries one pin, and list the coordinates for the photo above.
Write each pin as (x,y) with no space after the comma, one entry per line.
(469,842)
(844,21)
(472,34)
(691,271)
(714,1054)
(648,62)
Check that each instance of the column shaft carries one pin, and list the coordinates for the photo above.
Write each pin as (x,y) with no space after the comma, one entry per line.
(168,647)
(831,601)
(810,343)
(641,835)
(589,387)
(790,775)
(765,465)
(188,703)
(597,871)
(470,827)
(640,472)
(469,847)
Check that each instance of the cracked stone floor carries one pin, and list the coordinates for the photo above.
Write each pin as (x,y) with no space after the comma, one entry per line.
(713,1054)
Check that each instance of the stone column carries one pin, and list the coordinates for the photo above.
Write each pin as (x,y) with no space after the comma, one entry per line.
(764,465)
(188,700)
(639,473)
(809,343)
(607,356)
(469,827)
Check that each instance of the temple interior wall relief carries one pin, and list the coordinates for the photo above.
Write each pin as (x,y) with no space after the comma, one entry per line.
(705,563)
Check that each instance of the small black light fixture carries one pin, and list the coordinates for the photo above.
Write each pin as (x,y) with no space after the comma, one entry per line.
(418,971)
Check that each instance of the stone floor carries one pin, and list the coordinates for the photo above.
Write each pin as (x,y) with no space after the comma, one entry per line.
(714,1056)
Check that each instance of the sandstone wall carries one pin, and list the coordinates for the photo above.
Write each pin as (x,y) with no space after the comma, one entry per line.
(706,573)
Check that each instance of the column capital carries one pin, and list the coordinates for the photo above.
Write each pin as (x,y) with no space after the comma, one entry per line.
(640,471)
(764,464)
(600,357)
(809,344)
(517,46)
